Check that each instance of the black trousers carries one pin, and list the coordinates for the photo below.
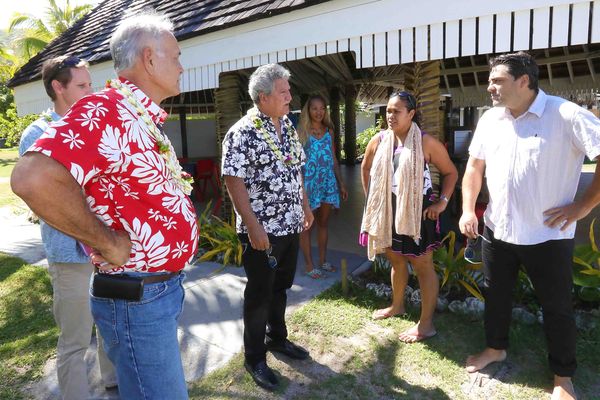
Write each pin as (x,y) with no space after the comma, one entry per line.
(549,267)
(265,296)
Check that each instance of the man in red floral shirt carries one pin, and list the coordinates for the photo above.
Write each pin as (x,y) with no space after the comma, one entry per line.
(108,176)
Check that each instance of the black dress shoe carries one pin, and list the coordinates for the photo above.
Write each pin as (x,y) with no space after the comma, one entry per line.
(289,349)
(262,375)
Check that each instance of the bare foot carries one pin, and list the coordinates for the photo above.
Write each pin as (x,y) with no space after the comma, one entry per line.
(387,312)
(483,359)
(417,333)
(563,389)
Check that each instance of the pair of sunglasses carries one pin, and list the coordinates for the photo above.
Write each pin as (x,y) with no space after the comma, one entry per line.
(410,99)
(271,260)
(69,62)
(473,249)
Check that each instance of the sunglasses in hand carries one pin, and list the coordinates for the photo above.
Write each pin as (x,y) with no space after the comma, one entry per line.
(271,260)
(473,249)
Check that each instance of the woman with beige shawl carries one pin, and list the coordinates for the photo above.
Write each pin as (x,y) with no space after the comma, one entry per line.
(401,214)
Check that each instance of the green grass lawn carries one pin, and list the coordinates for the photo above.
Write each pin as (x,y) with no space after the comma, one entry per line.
(354,357)
(28,333)
(8,159)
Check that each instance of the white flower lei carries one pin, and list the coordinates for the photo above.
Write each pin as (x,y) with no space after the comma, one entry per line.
(182,179)
(295,147)
(47,116)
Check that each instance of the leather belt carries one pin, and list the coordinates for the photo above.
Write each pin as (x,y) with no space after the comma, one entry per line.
(160,278)
(154,278)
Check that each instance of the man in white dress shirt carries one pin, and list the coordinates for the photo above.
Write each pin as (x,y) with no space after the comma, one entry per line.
(531,148)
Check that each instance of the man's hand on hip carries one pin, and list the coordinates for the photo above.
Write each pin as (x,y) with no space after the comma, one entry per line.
(114,255)
(564,216)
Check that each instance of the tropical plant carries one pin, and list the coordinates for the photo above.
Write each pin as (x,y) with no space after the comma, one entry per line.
(219,238)
(586,269)
(455,272)
(381,268)
(32,34)
(363,138)
(12,126)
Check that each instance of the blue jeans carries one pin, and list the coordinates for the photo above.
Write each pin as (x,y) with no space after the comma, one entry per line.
(140,338)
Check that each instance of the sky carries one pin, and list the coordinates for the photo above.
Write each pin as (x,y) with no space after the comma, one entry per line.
(34,7)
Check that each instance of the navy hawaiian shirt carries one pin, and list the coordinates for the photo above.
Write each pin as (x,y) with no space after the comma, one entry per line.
(274,186)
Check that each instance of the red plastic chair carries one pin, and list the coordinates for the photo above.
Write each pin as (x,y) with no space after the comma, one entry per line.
(205,174)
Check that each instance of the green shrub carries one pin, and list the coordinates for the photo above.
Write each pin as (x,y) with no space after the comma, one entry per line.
(219,239)
(456,274)
(12,126)
(363,138)
(586,270)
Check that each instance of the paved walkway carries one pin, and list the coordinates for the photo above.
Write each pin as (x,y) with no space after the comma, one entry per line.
(210,331)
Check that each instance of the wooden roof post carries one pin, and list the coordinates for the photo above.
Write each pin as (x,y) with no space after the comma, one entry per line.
(334,112)
(422,79)
(350,125)
(228,111)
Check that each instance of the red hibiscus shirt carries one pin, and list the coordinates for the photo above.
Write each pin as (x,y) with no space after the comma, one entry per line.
(115,159)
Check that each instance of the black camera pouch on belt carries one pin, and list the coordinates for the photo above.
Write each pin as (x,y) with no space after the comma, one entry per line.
(120,287)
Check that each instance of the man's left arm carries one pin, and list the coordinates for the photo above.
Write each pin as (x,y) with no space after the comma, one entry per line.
(586,129)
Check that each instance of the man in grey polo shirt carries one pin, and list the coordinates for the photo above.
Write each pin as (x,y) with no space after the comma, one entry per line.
(66,80)
(531,147)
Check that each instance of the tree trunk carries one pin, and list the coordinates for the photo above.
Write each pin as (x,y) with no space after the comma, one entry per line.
(228,111)
(350,125)
(422,79)
(334,105)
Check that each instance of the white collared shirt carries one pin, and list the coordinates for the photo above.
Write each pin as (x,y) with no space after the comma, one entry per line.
(532,164)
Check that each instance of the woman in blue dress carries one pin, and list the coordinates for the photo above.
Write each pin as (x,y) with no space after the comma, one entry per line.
(322,179)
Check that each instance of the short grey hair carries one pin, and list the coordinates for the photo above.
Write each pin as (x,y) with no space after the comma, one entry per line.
(262,80)
(133,35)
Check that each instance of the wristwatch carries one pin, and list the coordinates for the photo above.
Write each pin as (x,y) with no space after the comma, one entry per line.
(443,197)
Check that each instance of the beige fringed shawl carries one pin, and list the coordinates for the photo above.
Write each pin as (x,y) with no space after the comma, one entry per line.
(377,217)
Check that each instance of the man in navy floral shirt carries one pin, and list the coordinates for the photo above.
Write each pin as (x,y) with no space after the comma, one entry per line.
(262,161)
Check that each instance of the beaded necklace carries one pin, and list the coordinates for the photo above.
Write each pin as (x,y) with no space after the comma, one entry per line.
(295,147)
(182,179)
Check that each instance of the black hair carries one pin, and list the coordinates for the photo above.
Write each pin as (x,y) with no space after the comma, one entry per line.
(411,104)
(519,64)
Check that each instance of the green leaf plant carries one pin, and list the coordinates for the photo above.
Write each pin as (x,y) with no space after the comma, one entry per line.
(456,273)
(586,269)
(219,238)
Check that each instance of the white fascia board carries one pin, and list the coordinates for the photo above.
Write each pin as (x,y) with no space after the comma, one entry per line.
(336,20)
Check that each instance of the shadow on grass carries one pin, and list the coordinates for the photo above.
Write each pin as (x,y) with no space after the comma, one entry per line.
(309,379)
(526,363)
(458,337)
(28,333)
(8,161)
